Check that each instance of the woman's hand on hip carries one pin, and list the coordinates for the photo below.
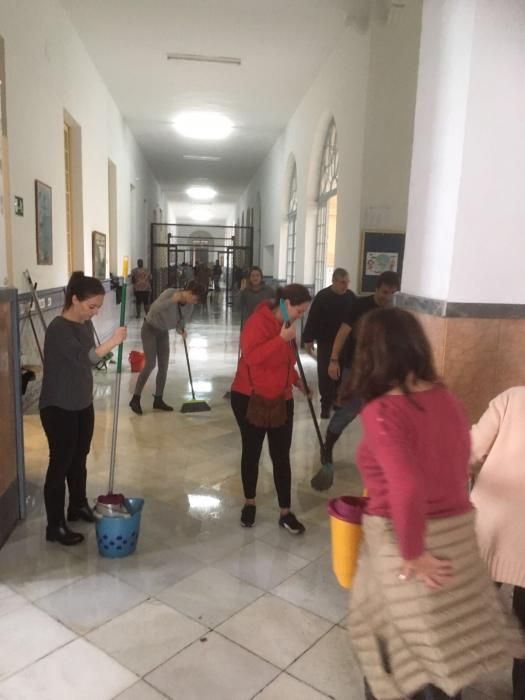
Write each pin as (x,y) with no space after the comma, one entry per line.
(288,333)
(430,570)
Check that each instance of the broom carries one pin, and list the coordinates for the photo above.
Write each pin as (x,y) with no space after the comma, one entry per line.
(324,478)
(194,405)
(115,501)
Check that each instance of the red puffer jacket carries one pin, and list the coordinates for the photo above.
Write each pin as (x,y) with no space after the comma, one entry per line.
(267,362)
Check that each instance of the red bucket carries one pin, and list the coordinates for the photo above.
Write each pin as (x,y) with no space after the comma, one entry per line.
(137,360)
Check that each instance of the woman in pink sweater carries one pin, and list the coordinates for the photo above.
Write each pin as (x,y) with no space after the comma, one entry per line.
(499,497)
(425,619)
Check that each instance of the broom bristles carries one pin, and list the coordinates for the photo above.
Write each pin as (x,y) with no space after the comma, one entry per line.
(196,406)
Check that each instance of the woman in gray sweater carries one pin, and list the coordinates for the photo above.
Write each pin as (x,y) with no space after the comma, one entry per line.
(172,309)
(66,403)
(256,290)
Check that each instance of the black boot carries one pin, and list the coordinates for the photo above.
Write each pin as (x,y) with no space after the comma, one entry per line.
(83,513)
(160,405)
(134,404)
(329,442)
(62,534)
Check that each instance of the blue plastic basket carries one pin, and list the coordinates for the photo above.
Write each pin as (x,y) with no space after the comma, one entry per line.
(118,537)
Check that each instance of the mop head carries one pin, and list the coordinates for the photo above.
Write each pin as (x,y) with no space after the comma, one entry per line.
(195,406)
(324,478)
(112,499)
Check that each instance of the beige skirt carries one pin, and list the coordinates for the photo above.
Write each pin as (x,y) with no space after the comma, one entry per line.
(407,635)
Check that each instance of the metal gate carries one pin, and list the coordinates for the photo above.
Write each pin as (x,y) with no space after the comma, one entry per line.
(177,248)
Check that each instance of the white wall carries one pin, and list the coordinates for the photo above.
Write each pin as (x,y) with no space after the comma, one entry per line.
(368,85)
(489,249)
(49,71)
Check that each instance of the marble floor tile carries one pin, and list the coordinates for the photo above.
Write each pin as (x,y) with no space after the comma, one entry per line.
(145,636)
(284,686)
(275,630)
(91,602)
(141,691)
(216,669)
(262,565)
(311,545)
(331,668)
(77,671)
(9,600)
(151,572)
(210,596)
(315,588)
(28,634)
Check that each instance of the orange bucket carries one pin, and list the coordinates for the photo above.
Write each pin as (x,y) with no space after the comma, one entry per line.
(345,526)
(137,360)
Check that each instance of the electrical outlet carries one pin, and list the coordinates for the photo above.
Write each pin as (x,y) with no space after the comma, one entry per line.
(42,303)
(49,302)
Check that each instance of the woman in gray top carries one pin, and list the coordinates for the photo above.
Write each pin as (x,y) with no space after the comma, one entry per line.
(255,291)
(66,403)
(172,309)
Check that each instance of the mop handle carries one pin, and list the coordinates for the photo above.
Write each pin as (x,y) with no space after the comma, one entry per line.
(117,382)
(284,312)
(186,352)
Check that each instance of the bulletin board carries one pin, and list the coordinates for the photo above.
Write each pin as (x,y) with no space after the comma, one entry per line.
(381,251)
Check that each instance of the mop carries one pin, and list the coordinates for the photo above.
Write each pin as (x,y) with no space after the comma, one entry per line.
(194,405)
(113,503)
(324,478)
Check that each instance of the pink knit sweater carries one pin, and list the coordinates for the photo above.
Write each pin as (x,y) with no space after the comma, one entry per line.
(499,490)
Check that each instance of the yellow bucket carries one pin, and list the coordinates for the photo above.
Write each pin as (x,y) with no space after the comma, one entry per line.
(345,525)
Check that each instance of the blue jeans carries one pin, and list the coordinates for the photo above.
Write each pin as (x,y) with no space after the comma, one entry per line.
(344,416)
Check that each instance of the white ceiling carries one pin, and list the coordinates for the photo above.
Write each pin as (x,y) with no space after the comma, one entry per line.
(282,44)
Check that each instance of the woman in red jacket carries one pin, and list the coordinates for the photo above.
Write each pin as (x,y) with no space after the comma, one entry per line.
(262,399)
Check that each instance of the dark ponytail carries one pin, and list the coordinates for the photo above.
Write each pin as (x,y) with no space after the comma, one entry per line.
(82,287)
(296,294)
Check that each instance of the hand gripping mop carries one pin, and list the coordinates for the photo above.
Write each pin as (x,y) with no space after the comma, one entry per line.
(324,478)
(194,405)
(113,503)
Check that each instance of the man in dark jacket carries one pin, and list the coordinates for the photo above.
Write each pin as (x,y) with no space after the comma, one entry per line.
(329,309)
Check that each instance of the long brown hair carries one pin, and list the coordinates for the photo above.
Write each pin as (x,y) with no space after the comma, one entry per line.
(391,347)
(82,287)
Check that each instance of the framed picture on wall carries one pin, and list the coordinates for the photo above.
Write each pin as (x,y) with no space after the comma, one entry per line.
(99,254)
(44,224)
(381,251)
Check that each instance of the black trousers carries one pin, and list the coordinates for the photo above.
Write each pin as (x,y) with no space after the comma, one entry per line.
(279,442)
(142,298)
(327,386)
(518,668)
(428,693)
(69,436)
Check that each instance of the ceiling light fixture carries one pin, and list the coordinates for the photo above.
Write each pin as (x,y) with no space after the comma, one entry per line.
(201,58)
(213,159)
(207,126)
(201,194)
(200,214)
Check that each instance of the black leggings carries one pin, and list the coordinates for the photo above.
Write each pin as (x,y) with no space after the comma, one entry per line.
(69,436)
(279,442)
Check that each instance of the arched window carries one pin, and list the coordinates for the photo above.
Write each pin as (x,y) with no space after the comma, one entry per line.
(327,210)
(291,247)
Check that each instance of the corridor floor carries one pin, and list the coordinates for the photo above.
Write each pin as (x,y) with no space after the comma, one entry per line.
(205,610)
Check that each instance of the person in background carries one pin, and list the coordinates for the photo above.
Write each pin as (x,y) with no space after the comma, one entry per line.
(254,293)
(329,309)
(202,276)
(425,619)
(265,378)
(342,356)
(172,309)
(66,403)
(498,441)
(217,274)
(187,273)
(141,281)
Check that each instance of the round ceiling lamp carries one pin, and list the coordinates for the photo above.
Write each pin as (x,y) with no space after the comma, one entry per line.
(201,215)
(201,193)
(206,126)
